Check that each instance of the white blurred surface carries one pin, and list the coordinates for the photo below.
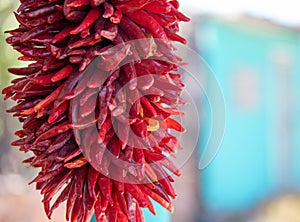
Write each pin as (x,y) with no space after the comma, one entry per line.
(286,12)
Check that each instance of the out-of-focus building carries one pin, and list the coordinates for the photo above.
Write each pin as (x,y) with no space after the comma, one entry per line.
(257,64)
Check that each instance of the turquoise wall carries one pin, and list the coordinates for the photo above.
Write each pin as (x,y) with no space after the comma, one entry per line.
(257,66)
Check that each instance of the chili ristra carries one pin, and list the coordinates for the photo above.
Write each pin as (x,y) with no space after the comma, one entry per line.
(62,40)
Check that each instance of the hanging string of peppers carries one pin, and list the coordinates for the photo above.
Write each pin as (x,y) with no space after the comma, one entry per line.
(61,39)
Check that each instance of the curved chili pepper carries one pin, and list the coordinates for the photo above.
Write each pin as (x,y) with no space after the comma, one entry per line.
(147,21)
(91,17)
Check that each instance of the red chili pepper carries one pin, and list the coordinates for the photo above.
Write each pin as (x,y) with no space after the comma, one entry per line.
(173,124)
(34,32)
(158,7)
(32,4)
(71,200)
(91,17)
(179,15)
(59,142)
(49,99)
(53,64)
(95,3)
(55,17)
(75,59)
(77,3)
(112,57)
(14,40)
(136,33)
(42,80)
(40,11)
(108,10)
(98,210)
(99,26)
(139,217)
(23,105)
(23,21)
(104,128)
(75,16)
(63,73)
(72,155)
(147,21)
(175,37)
(131,206)
(122,203)
(21,133)
(139,155)
(81,52)
(35,52)
(169,111)
(88,107)
(115,146)
(164,19)
(140,197)
(89,41)
(110,32)
(97,79)
(104,168)
(150,173)
(116,17)
(76,163)
(112,213)
(44,177)
(105,185)
(156,197)
(149,110)
(123,134)
(76,210)
(47,209)
(62,197)
(61,128)
(88,200)
(131,5)
(41,39)
(43,128)
(51,188)
(170,166)
(168,187)
(85,33)
(157,188)
(69,85)
(80,179)
(140,129)
(63,34)
(92,178)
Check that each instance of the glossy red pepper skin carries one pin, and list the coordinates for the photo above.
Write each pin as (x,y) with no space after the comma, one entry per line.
(144,19)
(91,17)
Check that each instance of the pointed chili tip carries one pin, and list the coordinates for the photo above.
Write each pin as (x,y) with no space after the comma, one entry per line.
(151,209)
(52,118)
(28,111)
(49,214)
(171,208)
(14,143)
(31,182)
(37,107)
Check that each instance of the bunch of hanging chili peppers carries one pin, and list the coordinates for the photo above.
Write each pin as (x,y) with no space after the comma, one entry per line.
(61,38)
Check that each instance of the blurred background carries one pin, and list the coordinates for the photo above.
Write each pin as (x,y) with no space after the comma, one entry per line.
(254,50)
